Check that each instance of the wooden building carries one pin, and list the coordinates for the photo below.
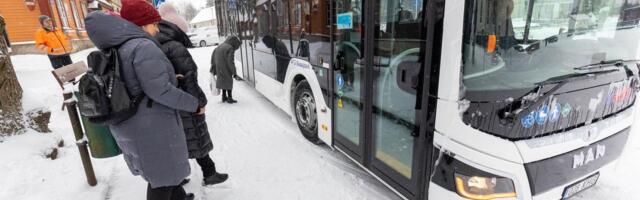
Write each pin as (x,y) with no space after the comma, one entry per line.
(22,20)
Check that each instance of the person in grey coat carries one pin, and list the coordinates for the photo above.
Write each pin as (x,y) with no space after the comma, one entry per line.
(153,140)
(224,68)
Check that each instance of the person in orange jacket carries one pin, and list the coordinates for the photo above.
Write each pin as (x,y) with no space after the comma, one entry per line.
(54,42)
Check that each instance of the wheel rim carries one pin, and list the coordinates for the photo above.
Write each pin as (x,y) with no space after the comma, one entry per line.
(306,111)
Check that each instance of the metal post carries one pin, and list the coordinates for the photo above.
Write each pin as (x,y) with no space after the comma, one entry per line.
(70,103)
(528,23)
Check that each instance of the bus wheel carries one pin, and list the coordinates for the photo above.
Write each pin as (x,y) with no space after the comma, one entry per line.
(305,112)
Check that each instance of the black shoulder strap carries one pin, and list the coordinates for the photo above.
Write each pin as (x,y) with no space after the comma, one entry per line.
(118,71)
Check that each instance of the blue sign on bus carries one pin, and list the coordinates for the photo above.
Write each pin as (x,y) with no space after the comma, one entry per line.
(345,20)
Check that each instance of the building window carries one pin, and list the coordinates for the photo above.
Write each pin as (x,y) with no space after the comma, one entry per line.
(83,4)
(74,10)
(62,12)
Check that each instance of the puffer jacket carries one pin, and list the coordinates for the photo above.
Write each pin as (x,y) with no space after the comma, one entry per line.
(53,42)
(152,141)
(174,43)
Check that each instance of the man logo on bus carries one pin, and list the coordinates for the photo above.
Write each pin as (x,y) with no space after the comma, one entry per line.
(582,158)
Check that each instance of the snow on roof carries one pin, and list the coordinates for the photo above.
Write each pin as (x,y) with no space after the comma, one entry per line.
(204,15)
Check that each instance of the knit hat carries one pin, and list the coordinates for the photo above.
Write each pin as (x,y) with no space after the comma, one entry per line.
(139,12)
(42,18)
(169,13)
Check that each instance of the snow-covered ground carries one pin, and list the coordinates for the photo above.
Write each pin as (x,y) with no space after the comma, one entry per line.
(257,144)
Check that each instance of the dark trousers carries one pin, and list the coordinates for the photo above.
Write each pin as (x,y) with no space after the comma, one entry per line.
(226,94)
(58,61)
(207,166)
(166,193)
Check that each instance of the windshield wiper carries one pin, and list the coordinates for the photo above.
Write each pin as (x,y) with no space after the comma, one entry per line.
(605,63)
(565,78)
(511,110)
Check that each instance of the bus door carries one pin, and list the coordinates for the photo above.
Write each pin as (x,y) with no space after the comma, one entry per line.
(376,103)
(235,29)
(348,73)
(246,31)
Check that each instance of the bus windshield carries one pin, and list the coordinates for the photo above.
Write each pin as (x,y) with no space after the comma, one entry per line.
(515,44)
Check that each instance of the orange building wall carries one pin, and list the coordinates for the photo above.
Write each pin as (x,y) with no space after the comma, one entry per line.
(22,23)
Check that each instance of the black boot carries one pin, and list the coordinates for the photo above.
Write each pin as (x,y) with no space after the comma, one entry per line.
(224,96)
(230,97)
(215,179)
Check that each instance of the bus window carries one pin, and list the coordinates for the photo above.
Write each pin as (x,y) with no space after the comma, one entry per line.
(300,27)
(282,23)
(264,60)
(271,35)
(261,26)
(281,54)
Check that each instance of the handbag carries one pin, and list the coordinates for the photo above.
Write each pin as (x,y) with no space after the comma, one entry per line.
(212,85)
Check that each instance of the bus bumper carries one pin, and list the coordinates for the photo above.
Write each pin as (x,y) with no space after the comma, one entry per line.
(556,177)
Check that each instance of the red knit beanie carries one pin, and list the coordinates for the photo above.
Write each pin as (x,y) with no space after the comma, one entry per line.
(139,12)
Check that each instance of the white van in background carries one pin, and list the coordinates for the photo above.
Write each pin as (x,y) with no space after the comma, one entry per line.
(205,36)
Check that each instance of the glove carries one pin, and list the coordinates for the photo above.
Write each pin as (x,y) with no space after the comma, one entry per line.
(237,77)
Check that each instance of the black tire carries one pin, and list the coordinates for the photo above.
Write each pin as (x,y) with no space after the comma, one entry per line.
(203,43)
(305,112)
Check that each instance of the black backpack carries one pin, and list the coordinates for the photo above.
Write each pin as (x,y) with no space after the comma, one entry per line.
(104,97)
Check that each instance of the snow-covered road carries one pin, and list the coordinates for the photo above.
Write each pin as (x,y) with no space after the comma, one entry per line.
(257,144)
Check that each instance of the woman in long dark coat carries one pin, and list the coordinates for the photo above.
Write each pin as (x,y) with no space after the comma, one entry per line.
(152,141)
(224,68)
(174,43)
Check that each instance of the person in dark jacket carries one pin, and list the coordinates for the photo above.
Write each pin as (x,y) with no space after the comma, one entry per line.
(174,43)
(224,68)
(153,140)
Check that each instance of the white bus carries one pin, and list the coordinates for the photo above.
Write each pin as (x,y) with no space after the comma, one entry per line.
(464,99)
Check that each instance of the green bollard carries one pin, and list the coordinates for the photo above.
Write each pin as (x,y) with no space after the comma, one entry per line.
(101,141)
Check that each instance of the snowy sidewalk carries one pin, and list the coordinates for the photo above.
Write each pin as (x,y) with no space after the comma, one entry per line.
(256,143)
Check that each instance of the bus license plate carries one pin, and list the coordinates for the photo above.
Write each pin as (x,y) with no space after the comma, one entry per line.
(580,186)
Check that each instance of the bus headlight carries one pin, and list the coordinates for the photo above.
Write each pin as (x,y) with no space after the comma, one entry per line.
(481,188)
